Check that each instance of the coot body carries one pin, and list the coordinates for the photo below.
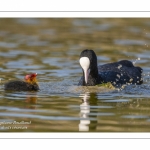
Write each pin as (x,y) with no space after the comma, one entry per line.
(118,73)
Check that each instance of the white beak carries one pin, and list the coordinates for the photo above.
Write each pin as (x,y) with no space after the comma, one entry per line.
(85,64)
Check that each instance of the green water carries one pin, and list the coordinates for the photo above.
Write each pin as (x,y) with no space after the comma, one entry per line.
(51,47)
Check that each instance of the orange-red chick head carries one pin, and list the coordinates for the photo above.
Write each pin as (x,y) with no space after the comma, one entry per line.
(31,78)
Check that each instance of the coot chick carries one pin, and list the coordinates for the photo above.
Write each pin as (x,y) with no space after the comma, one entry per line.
(30,84)
(117,73)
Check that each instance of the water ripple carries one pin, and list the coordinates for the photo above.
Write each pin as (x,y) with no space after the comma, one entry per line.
(2,114)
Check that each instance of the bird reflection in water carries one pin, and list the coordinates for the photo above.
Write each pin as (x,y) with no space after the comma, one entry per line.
(88,122)
(30,101)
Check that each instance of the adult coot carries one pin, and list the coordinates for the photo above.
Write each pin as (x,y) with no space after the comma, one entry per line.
(30,84)
(118,73)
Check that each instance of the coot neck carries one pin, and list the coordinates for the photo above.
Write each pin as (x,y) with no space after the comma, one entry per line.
(93,78)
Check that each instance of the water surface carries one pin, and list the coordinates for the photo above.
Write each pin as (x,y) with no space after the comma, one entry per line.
(51,48)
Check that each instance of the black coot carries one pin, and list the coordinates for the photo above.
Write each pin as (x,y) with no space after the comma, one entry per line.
(118,73)
(30,84)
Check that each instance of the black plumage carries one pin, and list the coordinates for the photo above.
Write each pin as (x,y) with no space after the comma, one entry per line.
(21,86)
(118,73)
(30,84)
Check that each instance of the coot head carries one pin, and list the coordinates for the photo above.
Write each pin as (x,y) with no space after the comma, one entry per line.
(31,78)
(88,62)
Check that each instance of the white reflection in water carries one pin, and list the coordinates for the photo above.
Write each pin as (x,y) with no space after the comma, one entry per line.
(84,113)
